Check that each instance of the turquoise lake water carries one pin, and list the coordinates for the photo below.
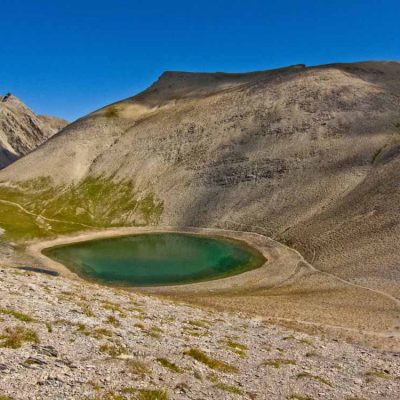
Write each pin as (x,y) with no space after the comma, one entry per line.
(156,259)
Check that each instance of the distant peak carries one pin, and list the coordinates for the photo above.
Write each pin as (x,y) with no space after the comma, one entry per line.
(7,97)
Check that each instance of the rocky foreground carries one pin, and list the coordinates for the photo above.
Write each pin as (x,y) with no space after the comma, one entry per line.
(64,339)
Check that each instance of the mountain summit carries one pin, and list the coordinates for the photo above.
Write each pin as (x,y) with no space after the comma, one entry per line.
(21,130)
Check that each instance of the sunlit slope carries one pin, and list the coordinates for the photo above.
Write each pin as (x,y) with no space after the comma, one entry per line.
(21,131)
(307,155)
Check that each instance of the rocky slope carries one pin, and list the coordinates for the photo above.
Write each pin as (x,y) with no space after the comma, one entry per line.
(21,131)
(309,156)
(59,341)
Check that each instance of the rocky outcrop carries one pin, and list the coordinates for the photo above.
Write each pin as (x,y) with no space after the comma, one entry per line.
(21,131)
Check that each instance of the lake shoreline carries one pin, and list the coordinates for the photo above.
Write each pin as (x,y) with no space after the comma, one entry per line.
(263,276)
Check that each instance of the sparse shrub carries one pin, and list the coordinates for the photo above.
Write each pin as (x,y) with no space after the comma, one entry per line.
(111,112)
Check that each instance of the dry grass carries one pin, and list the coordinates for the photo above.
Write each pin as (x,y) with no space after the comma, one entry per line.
(15,337)
(138,367)
(113,350)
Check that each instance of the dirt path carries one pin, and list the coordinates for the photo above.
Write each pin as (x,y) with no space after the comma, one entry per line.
(43,217)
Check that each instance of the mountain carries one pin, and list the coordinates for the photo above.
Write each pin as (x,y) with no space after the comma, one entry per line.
(307,155)
(21,130)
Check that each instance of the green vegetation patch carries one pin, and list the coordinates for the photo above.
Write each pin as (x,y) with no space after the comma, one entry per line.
(228,388)
(38,208)
(302,375)
(150,394)
(113,350)
(14,338)
(299,397)
(213,363)
(278,362)
(137,367)
(170,365)
(375,373)
(236,347)
(20,316)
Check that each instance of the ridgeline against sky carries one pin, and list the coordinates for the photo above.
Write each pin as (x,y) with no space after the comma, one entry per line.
(67,58)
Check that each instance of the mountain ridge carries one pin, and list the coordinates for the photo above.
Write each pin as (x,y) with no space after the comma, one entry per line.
(21,131)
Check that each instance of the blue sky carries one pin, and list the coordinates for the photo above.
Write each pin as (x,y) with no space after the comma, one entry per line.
(69,57)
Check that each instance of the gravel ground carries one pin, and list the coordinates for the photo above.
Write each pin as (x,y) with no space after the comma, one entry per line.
(64,339)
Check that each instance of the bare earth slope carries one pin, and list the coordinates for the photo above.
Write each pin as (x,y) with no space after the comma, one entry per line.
(308,156)
(21,130)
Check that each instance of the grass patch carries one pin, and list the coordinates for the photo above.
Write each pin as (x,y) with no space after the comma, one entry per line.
(377,374)
(199,324)
(170,365)
(306,342)
(86,309)
(113,350)
(97,333)
(150,394)
(113,321)
(228,388)
(307,375)
(85,205)
(299,397)
(212,363)
(376,155)
(194,333)
(20,316)
(107,305)
(278,362)
(15,337)
(236,347)
(155,332)
(137,367)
